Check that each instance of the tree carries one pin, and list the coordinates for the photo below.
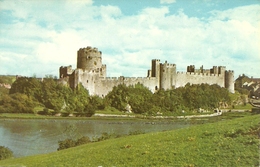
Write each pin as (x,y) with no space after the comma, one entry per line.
(30,86)
(17,103)
(80,99)
(139,98)
(5,153)
(117,98)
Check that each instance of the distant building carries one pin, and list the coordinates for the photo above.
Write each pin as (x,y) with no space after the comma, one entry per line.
(250,84)
(92,74)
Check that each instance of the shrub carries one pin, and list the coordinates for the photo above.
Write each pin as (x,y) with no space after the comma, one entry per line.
(83,140)
(5,153)
(66,144)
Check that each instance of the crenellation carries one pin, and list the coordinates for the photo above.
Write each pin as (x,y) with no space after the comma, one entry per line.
(92,74)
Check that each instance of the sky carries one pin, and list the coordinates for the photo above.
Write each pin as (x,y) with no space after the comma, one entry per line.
(37,37)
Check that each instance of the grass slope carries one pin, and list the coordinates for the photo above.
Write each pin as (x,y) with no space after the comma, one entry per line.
(226,143)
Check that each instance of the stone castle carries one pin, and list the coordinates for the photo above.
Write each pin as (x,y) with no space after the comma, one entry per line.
(91,73)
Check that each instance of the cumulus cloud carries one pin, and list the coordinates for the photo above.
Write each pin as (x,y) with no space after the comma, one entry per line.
(52,35)
(167,1)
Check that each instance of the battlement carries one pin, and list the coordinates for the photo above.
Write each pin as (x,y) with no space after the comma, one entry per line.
(199,73)
(168,64)
(90,49)
(157,60)
(230,71)
(92,73)
(111,78)
(129,78)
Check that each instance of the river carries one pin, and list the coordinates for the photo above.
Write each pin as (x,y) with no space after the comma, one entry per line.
(38,136)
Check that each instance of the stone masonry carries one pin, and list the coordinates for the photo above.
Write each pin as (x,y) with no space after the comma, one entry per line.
(91,73)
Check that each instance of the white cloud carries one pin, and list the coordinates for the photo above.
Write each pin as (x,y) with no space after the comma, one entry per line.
(61,48)
(167,1)
(128,43)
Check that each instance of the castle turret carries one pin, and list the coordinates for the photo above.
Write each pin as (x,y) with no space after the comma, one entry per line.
(229,81)
(167,73)
(156,72)
(191,68)
(89,58)
(65,71)
(221,70)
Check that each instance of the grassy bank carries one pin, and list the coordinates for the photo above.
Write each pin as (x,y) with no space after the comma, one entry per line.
(225,143)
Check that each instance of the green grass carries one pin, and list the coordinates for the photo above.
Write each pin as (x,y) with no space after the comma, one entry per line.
(234,96)
(22,116)
(111,110)
(244,107)
(37,116)
(224,143)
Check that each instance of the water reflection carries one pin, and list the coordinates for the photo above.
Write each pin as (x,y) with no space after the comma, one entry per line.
(29,137)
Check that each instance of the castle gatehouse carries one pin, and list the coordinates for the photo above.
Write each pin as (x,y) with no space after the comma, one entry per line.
(91,73)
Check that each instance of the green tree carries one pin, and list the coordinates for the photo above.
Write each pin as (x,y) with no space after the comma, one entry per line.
(29,86)
(55,95)
(117,98)
(5,153)
(17,103)
(139,98)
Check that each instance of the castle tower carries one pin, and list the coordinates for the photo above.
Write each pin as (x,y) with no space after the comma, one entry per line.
(89,58)
(167,72)
(215,70)
(221,70)
(156,72)
(65,71)
(229,81)
(191,68)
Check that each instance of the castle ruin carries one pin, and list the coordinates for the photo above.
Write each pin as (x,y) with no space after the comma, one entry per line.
(91,73)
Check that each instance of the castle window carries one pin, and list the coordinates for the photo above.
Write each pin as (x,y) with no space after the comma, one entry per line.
(87,81)
(95,63)
(156,88)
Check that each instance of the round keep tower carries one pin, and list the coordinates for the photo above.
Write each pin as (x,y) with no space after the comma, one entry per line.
(229,81)
(89,58)
(167,72)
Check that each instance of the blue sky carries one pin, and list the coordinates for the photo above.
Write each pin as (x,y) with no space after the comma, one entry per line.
(37,37)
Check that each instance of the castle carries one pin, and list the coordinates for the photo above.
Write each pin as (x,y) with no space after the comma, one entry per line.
(91,73)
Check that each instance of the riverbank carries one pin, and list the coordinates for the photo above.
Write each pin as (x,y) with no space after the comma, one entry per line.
(159,116)
(119,116)
(226,143)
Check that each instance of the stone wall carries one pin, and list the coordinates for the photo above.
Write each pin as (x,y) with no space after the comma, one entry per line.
(105,85)
(92,74)
(182,78)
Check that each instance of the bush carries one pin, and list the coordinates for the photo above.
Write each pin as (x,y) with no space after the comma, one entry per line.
(66,144)
(5,153)
(83,140)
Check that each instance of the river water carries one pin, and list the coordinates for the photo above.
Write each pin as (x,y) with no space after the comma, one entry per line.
(38,136)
